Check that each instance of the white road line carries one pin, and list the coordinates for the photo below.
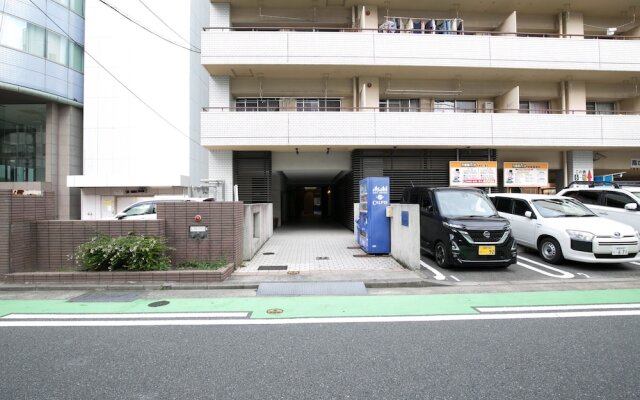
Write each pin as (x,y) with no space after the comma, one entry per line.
(129,316)
(583,274)
(561,274)
(436,274)
(454,278)
(559,308)
(334,320)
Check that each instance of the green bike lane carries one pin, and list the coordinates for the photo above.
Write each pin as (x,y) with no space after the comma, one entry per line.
(331,306)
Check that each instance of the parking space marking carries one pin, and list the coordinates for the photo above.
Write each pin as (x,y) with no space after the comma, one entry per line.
(560,273)
(437,275)
(454,278)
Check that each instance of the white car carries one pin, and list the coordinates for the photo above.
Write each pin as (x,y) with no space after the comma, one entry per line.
(146,209)
(563,228)
(620,203)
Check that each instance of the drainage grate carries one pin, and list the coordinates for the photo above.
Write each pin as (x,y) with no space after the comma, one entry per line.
(106,297)
(322,258)
(268,253)
(312,289)
(272,268)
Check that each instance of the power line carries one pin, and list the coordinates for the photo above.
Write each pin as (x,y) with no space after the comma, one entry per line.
(167,25)
(114,77)
(145,28)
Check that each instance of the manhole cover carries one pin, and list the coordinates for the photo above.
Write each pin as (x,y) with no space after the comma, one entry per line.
(322,258)
(272,268)
(293,272)
(158,303)
(275,311)
(268,253)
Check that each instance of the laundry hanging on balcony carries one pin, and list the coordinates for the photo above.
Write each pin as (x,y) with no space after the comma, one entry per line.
(449,26)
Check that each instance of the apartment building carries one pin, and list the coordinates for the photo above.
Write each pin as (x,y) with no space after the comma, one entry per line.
(41,98)
(144,90)
(308,97)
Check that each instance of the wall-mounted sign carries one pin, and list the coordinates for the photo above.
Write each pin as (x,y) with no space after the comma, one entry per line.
(526,174)
(635,163)
(582,175)
(473,173)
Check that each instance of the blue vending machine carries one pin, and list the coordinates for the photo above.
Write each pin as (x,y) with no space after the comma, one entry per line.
(374,236)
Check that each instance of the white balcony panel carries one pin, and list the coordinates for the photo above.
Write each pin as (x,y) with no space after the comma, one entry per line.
(244,128)
(621,130)
(240,129)
(330,48)
(331,128)
(448,129)
(229,47)
(432,50)
(620,55)
(548,53)
(407,49)
(547,130)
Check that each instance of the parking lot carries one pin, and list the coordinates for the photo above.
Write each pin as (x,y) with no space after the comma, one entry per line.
(531,267)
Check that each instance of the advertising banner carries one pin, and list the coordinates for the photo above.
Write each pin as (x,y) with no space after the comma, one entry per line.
(526,174)
(473,173)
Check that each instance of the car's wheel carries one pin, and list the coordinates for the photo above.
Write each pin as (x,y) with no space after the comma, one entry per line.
(550,250)
(441,254)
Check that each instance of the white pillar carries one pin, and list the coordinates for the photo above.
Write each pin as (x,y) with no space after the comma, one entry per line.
(221,169)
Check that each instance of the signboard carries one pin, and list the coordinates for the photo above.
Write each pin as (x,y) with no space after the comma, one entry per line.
(635,163)
(526,174)
(582,175)
(473,173)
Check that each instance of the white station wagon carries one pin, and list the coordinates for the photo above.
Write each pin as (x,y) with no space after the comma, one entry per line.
(563,228)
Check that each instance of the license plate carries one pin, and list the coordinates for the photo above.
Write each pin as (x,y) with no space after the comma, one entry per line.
(619,251)
(487,250)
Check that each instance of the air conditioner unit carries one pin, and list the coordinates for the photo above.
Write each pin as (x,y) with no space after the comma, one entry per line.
(487,106)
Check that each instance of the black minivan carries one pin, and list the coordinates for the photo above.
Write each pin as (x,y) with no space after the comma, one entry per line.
(460,226)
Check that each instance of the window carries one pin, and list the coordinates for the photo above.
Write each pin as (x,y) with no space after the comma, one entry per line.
(617,200)
(253,104)
(594,107)
(455,106)
(503,204)
(585,196)
(77,6)
(534,107)
(520,207)
(425,202)
(22,142)
(57,48)
(318,104)
(402,105)
(76,57)
(21,35)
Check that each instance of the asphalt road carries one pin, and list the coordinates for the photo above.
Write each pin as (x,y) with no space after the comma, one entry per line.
(571,358)
(531,267)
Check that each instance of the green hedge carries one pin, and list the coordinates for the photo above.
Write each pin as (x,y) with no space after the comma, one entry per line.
(128,253)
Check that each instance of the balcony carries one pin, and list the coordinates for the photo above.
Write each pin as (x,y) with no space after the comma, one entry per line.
(223,129)
(223,50)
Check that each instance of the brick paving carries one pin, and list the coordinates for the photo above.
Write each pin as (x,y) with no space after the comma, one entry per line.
(304,248)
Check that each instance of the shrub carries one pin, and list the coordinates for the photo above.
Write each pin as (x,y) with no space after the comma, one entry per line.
(210,265)
(131,253)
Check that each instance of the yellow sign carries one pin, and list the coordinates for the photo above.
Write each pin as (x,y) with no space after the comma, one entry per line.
(473,173)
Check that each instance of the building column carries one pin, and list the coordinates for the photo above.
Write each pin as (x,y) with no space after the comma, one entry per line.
(219,15)
(580,166)
(369,93)
(221,174)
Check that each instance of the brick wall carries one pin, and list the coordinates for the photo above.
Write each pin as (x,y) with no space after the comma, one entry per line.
(30,240)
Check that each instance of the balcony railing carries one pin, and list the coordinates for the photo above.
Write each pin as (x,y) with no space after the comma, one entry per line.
(415,31)
(420,110)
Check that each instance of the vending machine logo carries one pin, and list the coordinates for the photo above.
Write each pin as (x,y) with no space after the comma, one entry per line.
(380,189)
